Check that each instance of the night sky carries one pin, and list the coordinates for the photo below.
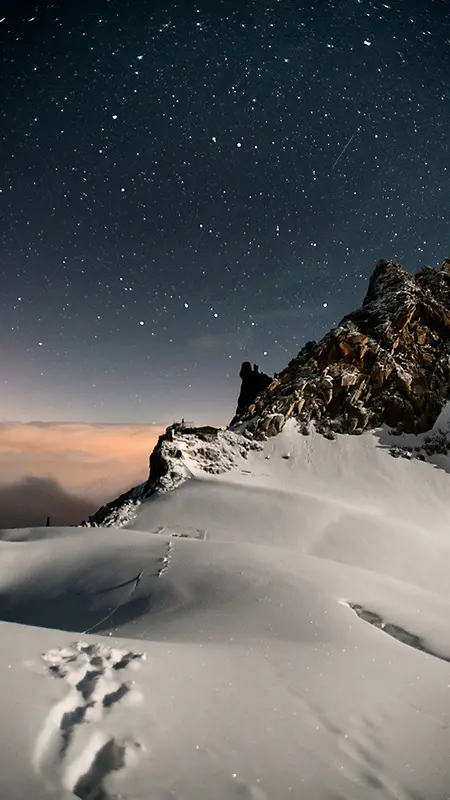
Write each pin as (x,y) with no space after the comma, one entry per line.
(189,185)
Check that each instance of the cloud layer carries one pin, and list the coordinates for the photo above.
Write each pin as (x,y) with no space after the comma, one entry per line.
(66,471)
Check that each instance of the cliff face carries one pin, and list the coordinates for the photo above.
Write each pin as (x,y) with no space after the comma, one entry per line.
(386,363)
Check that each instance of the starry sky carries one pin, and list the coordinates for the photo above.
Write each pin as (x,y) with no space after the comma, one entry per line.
(189,185)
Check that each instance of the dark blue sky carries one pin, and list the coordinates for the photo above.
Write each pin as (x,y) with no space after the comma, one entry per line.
(191,185)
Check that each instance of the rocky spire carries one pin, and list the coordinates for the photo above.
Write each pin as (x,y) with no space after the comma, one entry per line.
(388,362)
(253,383)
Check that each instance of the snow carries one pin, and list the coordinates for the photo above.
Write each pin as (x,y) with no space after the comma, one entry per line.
(273,625)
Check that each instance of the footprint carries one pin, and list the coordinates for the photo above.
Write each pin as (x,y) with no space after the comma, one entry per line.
(85,777)
(165,561)
(95,688)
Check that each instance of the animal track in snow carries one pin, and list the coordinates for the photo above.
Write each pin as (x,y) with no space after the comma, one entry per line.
(103,755)
(395,631)
(96,686)
(165,560)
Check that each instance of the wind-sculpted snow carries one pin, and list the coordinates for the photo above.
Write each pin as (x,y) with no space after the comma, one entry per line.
(180,453)
(396,631)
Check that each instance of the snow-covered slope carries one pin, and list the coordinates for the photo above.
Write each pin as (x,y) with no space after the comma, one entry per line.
(271,623)
(267,617)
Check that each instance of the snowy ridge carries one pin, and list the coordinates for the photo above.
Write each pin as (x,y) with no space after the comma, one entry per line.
(181,453)
(189,452)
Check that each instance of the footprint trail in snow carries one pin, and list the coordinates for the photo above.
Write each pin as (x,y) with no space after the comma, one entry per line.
(95,675)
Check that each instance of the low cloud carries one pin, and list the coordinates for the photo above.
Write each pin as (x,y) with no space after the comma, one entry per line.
(30,501)
(66,471)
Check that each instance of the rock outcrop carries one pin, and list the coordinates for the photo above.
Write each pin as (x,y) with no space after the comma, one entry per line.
(386,363)
(437,444)
(253,383)
(180,451)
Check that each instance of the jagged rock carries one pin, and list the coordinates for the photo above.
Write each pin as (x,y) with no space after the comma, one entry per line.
(404,380)
(253,383)
(387,362)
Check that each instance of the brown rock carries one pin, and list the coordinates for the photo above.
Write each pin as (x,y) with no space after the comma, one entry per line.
(386,363)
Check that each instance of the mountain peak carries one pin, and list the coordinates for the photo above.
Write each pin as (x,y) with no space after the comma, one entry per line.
(388,362)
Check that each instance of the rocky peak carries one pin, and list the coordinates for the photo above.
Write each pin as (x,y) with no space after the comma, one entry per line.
(387,362)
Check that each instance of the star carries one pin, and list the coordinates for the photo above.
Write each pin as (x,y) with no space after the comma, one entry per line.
(255,170)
